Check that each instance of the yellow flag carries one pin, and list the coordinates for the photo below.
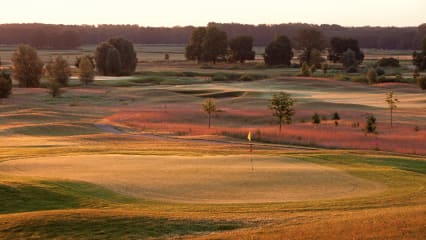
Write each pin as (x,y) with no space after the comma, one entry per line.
(249,136)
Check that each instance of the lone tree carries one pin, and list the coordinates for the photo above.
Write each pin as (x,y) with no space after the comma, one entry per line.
(242,48)
(5,85)
(391,100)
(279,52)
(214,45)
(27,66)
(87,70)
(193,50)
(282,107)
(109,54)
(209,107)
(59,70)
(309,39)
(316,119)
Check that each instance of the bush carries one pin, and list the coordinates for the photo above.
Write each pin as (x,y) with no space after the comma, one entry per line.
(380,71)
(372,76)
(421,81)
(316,119)
(305,71)
(336,116)
(54,88)
(388,62)
(5,85)
(246,77)
(27,66)
(371,124)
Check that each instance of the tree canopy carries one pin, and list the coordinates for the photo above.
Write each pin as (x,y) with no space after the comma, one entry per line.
(279,52)
(27,66)
(242,48)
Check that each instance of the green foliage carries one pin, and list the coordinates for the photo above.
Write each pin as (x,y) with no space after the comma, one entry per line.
(316,119)
(308,39)
(209,107)
(282,107)
(314,58)
(241,48)
(388,62)
(27,66)
(372,76)
(86,70)
(279,52)
(59,70)
(380,71)
(370,124)
(116,57)
(5,85)
(214,45)
(421,81)
(338,46)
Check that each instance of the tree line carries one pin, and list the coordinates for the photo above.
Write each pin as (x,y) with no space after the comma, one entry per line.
(72,36)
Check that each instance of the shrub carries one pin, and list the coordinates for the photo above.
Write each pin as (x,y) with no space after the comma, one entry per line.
(27,66)
(380,71)
(421,81)
(316,119)
(5,85)
(54,88)
(246,77)
(336,116)
(371,124)
(372,76)
(305,71)
(388,62)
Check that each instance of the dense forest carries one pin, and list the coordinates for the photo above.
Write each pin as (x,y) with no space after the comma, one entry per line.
(72,36)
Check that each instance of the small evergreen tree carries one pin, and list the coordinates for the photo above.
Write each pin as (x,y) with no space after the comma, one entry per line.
(371,124)
(316,119)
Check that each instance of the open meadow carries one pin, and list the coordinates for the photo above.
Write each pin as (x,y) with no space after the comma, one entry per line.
(133,157)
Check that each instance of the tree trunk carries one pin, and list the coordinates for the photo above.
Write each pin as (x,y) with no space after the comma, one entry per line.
(209,119)
(391,120)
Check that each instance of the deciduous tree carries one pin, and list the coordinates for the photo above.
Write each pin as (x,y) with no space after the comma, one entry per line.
(59,70)
(209,107)
(27,66)
(391,100)
(242,48)
(86,70)
(282,107)
(279,52)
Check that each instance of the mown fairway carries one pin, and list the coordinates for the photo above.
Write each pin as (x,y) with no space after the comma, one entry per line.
(132,158)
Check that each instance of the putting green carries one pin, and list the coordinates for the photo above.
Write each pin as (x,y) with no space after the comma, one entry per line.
(202,179)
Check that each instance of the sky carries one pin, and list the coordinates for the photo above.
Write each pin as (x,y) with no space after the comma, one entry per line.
(200,12)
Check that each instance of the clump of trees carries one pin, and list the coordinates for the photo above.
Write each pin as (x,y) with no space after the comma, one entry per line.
(345,51)
(5,84)
(311,41)
(207,44)
(116,57)
(279,52)
(59,70)
(282,107)
(419,59)
(27,66)
(241,48)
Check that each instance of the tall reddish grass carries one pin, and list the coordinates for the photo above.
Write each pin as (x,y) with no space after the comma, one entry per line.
(236,123)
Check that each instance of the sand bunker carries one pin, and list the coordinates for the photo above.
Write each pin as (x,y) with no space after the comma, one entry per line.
(207,179)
